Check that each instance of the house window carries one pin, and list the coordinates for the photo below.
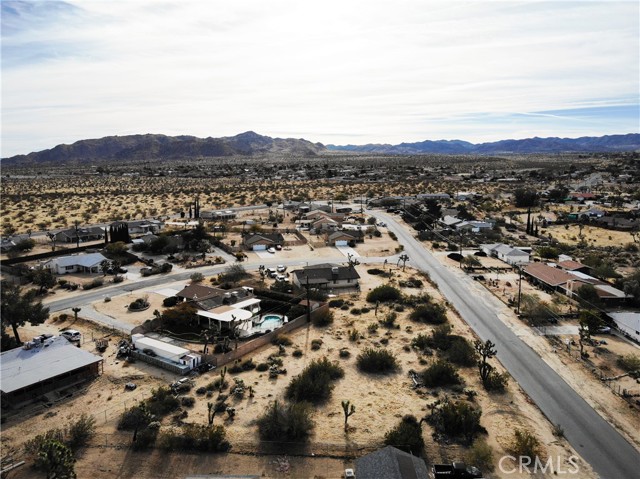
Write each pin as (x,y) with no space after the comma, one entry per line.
(69,268)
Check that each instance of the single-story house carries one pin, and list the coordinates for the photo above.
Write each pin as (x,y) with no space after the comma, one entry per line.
(144,226)
(221,215)
(166,355)
(473,226)
(326,276)
(94,233)
(42,366)
(506,253)
(345,238)
(391,463)
(324,224)
(450,221)
(227,308)
(77,263)
(569,282)
(262,241)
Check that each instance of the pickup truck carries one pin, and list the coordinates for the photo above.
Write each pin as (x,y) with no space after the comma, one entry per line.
(455,470)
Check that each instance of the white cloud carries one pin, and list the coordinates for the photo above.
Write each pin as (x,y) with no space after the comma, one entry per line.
(351,71)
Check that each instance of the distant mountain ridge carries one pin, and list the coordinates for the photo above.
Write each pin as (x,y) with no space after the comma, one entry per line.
(587,144)
(150,146)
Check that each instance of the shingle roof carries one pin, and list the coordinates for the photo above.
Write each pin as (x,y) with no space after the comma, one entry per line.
(391,463)
(324,273)
(21,368)
(85,260)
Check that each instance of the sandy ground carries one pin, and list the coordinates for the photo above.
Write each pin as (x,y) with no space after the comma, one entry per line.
(380,401)
(566,362)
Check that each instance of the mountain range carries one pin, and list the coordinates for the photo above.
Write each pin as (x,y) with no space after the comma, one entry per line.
(610,143)
(150,146)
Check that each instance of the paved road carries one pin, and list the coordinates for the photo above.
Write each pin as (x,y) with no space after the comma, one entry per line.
(599,443)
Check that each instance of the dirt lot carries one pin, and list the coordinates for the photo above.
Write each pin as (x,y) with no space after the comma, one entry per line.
(380,401)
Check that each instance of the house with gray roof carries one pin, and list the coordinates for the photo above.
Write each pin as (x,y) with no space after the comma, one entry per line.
(506,253)
(43,366)
(77,263)
(391,463)
(326,276)
(80,235)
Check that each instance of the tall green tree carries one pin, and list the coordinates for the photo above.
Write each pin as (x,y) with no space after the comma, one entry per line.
(44,278)
(18,308)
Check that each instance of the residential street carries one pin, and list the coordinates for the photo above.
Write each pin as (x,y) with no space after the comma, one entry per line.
(599,443)
(594,438)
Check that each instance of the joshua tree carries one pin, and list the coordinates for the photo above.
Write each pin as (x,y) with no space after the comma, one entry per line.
(486,351)
(404,258)
(223,373)
(348,409)
(211,412)
(75,313)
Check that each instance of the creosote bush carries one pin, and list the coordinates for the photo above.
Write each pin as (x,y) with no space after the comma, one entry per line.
(291,422)
(457,420)
(314,383)
(525,444)
(429,313)
(194,437)
(383,294)
(322,318)
(440,374)
(376,361)
(407,436)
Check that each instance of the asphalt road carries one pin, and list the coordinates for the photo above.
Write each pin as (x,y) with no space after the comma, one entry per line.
(599,443)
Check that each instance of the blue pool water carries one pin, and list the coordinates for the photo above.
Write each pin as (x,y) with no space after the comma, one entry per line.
(271,321)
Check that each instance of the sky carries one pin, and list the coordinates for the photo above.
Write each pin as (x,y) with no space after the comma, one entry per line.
(336,72)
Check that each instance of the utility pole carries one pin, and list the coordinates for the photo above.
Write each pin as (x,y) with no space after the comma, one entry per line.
(308,301)
(76,222)
(519,287)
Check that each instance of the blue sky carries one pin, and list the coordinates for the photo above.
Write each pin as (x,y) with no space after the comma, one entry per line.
(336,72)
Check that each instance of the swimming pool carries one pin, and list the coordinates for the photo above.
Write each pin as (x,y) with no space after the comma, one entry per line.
(271,321)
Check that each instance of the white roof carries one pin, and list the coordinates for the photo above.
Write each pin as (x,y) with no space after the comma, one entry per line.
(141,342)
(21,368)
(611,290)
(227,316)
(629,319)
(582,275)
(86,260)
(247,302)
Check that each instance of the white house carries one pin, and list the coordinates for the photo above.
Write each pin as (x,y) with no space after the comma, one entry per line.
(80,263)
(506,253)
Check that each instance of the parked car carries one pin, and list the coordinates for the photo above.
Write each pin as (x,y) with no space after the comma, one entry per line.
(281,268)
(271,250)
(604,330)
(71,334)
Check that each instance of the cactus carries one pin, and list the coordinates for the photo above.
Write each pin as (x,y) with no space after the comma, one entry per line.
(348,409)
